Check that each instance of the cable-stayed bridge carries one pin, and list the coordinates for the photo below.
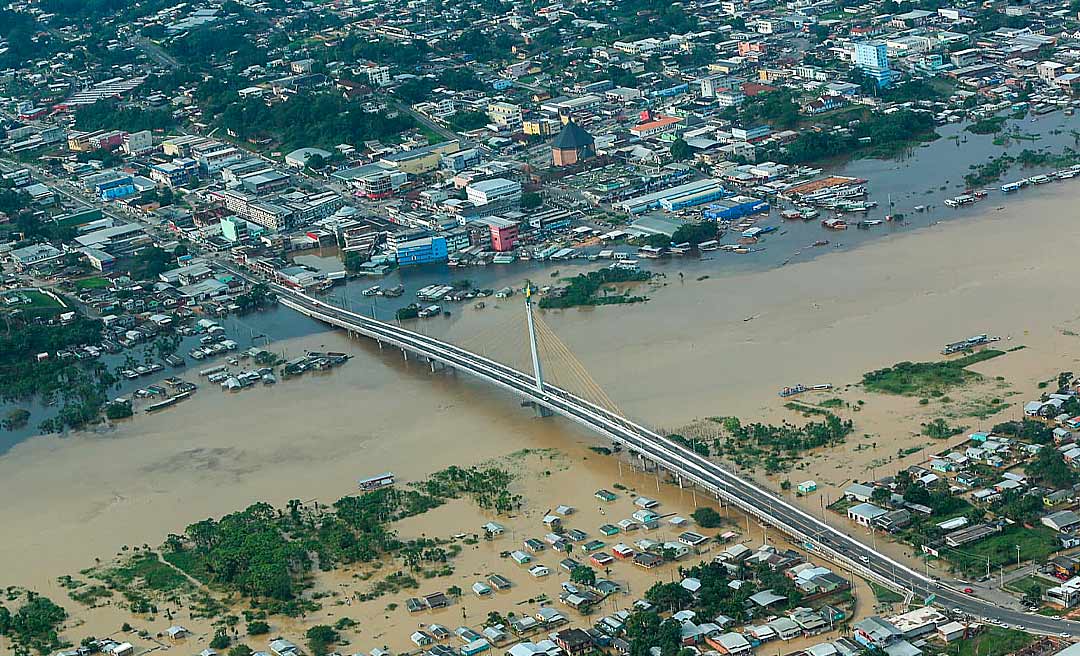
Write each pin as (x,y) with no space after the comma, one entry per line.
(593,409)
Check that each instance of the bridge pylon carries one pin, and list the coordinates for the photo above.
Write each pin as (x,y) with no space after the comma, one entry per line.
(538,369)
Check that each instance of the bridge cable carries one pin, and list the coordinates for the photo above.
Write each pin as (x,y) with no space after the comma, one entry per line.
(573,366)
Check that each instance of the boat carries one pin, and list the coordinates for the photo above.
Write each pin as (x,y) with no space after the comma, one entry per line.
(395,291)
(372,291)
(821,242)
(172,400)
(1039,179)
(792,391)
(821,387)
(962,199)
(834,224)
(1010,187)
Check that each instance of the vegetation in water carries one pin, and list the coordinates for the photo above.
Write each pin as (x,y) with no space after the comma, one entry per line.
(940,429)
(989,125)
(80,386)
(34,625)
(996,167)
(707,517)
(583,289)
(267,553)
(926,378)
(777,447)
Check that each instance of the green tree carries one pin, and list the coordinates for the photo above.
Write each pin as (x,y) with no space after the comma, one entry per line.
(707,517)
(531,200)
(320,638)
(669,596)
(584,575)
(1049,468)
(221,639)
(467,121)
(680,150)
(880,495)
(258,627)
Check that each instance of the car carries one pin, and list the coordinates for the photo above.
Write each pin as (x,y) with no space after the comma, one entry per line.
(1064,634)
(957,611)
(968,591)
(865,559)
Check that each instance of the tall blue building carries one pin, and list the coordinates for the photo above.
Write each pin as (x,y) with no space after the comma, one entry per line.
(872,58)
(421,251)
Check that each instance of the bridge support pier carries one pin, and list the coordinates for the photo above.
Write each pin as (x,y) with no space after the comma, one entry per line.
(406,354)
(542,410)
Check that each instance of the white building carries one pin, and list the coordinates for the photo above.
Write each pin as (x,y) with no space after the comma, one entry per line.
(378,76)
(494,190)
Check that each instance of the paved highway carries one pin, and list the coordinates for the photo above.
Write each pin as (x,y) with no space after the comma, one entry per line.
(816,535)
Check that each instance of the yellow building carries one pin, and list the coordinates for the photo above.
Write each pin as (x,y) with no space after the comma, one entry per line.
(421,160)
(505,115)
(544,127)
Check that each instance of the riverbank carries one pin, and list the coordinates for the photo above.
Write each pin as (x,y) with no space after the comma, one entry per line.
(719,346)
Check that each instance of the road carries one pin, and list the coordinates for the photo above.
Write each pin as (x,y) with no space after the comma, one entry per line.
(815,535)
(155,52)
(442,131)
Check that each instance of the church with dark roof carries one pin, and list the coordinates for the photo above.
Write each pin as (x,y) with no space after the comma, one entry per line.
(572,145)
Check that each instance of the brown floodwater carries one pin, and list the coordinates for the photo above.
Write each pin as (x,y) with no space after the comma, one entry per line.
(720,346)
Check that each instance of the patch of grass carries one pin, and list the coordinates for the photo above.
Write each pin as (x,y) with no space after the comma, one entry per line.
(39,301)
(983,408)
(33,303)
(885,595)
(926,378)
(97,282)
(994,641)
(189,563)
(832,403)
(147,568)
(90,594)
(1035,544)
(1029,584)
(807,410)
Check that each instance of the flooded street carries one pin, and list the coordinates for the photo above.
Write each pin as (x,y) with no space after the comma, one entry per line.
(702,346)
(721,346)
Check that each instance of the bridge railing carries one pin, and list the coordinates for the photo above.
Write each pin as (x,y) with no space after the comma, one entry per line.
(675,458)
